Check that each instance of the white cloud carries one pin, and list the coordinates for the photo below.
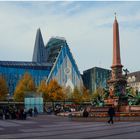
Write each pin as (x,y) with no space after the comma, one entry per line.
(88,32)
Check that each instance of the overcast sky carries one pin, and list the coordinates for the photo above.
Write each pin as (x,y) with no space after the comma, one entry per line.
(87,27)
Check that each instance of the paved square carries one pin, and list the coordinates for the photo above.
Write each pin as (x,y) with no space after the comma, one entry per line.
(55,127)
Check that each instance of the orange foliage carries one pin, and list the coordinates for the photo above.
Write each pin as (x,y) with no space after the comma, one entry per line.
(55,91)
(76,95)
(43,89)
(26,84)
(85,95)
(3,89)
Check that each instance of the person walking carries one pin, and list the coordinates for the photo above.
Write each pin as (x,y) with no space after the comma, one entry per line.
(111,113)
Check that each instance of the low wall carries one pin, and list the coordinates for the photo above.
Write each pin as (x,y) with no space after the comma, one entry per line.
(135,108)
(100,114)
(99,109)
(129,108)
(126,113)
(124,108)
(104,119)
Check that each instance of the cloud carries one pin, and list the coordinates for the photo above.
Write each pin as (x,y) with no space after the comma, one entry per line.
(87,27)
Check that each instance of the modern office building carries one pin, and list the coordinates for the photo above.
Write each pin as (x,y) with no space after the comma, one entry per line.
(133,80)
(51,61)
(95,77)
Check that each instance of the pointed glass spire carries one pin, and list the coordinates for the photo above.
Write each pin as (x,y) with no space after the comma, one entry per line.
(38,54)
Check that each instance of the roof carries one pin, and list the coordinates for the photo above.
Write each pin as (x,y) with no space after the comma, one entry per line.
(23,64)
(55,41)
(96,68)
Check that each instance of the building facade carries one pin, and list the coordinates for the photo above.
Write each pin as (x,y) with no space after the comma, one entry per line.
(95,77)
(133,80)
(51,61)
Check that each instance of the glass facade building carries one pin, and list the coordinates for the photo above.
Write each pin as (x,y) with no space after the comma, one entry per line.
(95,77)
(13,71)
(51,61)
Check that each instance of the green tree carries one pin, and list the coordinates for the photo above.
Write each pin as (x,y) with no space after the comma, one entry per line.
(25,85)
(137,98)
(3,89)
(134,96)
(98,96)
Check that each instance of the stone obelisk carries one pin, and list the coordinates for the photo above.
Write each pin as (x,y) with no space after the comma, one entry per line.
(117,82)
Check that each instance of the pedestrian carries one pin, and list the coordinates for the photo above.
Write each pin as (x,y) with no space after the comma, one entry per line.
(17,114)
(35,111)
(21,113)
(30,111)
(1,113)
(24,114)
(85,113)
(111,113)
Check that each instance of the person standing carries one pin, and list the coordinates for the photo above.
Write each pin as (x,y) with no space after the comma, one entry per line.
(35,111)
(111,113)
(85,113)
(24,114)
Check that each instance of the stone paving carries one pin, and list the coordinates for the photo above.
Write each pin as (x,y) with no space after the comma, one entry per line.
(56,127)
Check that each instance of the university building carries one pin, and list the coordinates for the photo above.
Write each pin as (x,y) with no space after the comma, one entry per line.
(133,80)
(51,61)
(95,77)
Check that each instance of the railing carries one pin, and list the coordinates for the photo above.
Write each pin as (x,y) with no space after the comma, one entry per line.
(10,102)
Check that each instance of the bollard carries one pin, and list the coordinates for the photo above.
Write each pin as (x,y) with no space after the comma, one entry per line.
(3,116)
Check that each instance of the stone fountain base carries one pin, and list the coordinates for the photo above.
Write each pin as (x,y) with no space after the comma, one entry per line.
(126,113)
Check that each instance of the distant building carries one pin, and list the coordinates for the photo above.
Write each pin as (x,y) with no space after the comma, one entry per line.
(95,77)
(51,61)
(133,80)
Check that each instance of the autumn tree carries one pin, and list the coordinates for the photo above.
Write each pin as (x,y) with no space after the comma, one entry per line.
(85,95)
(131,91)
(25,84)
(67,92)
(55,91)
(76,95)
(133,95)
(44,90)
(98,96)
(3,89)
(95,95)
